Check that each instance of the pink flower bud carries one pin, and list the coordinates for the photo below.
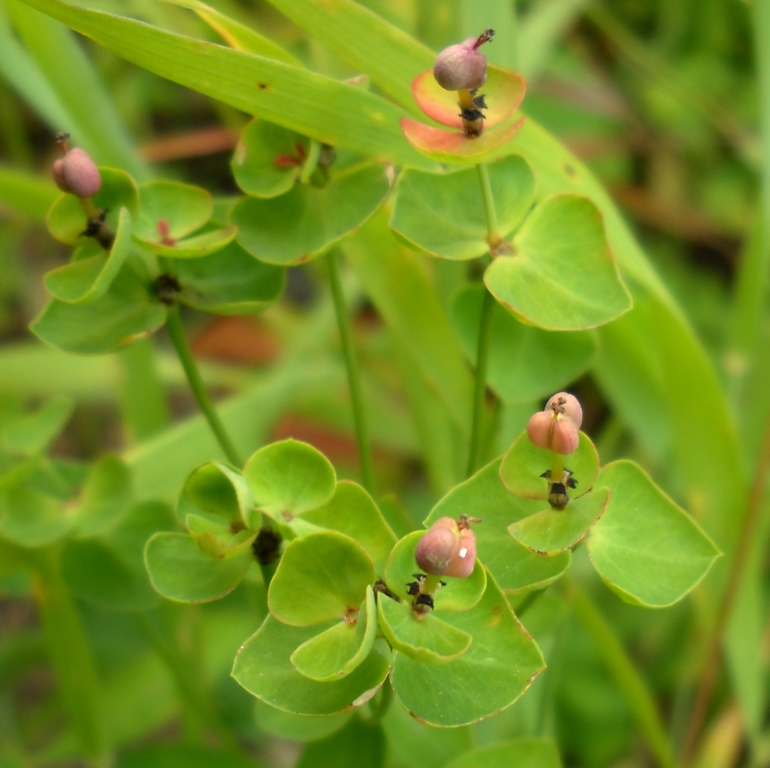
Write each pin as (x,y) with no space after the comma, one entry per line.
(77,174)
(556,428)
(447,549)
(462,65)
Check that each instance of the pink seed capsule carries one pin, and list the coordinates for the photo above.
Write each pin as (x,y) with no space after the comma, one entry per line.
(447,549)
(462,564)
(437,547)
(80,175)
(557,427)
(462,65)
(58,175)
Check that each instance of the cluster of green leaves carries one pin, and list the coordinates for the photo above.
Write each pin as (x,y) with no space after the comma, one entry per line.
(106,299)
(341,589)
(90,511)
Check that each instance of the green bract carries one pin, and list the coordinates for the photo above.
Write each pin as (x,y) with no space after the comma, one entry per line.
(321,577)
(307,220)
(562,274)
(92,270)
(428,639)
(263,667)
(551,531)
(524,464)
(170,212)
(444,214)
(181,570)
(129,310)
(66,219)
(229,282)
(338,650)
(289,478)
(352,511)
(268,159)
(219,493)
(525,363)
(497,668)
(646,548)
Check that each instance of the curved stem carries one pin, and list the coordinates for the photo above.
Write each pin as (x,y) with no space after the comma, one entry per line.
(480,380)
(354,378)
(627,677)
(711,660)
(178,339)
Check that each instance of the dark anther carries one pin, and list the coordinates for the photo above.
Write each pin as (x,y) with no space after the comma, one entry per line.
(381,588)
(266,546)
(479,100)
(166,288)
(413,588)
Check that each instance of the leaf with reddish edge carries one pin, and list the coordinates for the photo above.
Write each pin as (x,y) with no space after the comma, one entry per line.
(449,147)
(552,531)
(503,93)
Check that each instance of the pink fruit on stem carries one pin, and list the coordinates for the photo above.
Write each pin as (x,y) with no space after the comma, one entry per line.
(557,427)
(447,549)
(80,173)
(462,65)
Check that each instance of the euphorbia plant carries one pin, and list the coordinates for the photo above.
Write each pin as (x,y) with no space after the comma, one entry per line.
(349,611)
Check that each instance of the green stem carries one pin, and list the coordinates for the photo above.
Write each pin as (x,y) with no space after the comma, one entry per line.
(493,232)
(752,278)
(630,682)
(480,380)
(179,340)
(354,378)
(70,656)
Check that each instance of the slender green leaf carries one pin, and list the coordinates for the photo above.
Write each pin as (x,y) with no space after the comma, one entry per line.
(238,35)
(308,103)
(26,193)
(79,86)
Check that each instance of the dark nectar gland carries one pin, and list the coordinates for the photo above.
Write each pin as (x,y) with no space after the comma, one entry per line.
(558,497)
